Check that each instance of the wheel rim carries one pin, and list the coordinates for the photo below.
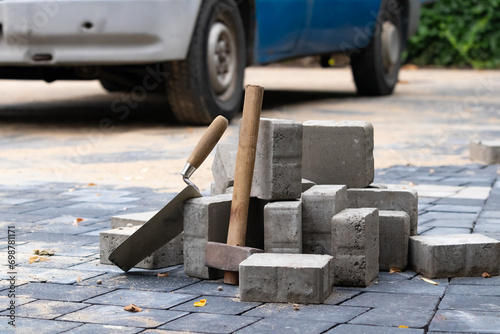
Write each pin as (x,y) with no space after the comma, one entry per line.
(391,45)
(221,59)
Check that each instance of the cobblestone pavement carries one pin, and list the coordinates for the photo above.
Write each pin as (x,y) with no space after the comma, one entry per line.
(72,293)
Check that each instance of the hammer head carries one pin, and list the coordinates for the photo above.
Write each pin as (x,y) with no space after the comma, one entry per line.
(227,257)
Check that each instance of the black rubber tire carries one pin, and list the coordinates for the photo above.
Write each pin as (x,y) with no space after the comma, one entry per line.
(370,76)
(189,92)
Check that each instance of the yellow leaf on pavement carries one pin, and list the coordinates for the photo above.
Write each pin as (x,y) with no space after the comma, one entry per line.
(425,279)
(201,303)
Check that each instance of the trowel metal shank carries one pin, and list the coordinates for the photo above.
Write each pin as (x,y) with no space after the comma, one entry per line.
(163,227)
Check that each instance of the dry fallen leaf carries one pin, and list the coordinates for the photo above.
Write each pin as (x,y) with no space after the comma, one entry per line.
(425,279)
(403,326)
(486,275)
(77,221)
(403,82)
(78,279)
(98,195)
(48,252)
(36,258)
(394,270)
(163,274)
(91,184)
(201,303)
(132,308)
(72,189)
(410,67)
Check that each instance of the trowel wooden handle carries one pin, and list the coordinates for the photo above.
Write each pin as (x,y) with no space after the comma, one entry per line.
(245,161)
(208,141)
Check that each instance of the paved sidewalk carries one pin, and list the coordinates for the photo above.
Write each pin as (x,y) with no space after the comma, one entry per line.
(72,293)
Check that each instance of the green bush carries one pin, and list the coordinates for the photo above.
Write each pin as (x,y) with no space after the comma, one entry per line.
(462,33)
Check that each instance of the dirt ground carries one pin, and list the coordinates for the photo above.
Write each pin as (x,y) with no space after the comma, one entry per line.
(76,132)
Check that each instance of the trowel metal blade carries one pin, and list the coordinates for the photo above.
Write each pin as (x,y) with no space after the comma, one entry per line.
(163,227)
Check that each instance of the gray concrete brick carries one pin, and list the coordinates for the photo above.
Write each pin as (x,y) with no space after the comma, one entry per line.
(168,255)
(320,313)
(278,160)
(394,231)
(446,231)
(223,166)
(319,205)
(209,323)
(454,255)
(104,329)
(207,219)
(465,321)
(470,303)
(338,296)
(395,317)
(60,291)
(283,227)
(460,289)
(307,184)
(27,325)
(136,219)
(491,281)
(147,299)
(355,246)
(415,286)
(363,329)
(114,315)
(46,309)
(299,278)
(394,300)
(384,199)
(338,153)
(217,305)
(484,151)
(211,288)
(280,325)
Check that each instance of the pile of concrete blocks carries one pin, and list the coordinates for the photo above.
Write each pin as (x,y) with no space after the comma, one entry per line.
(317,216)
(485,151)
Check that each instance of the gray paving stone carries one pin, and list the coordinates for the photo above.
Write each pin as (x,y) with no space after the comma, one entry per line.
(144,299)
(470,303)
(104,199)
(490,214)
(92,210)
(393,300)
(465,321)
(455,208)
(485,290)
(467,224)
(163,331)
(363,329)
(485,227)
(139,218)
(16,200)
(210,288)
(446,230)
(115,315)
(209,323)
(46,309)
(396,276)
(448,215)
(423,228)
(427,200)
(218,305)
(460,201)
(103,329)
(491,281)
(279,326)
(5,301)
(139,281)
(338,296)
(395,317)
(39,326)
(60,292)
(61,276)
(327,313)
(414,286)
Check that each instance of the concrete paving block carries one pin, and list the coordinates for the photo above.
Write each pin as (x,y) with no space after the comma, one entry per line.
(283,227)
(394,231)
(319,205)
(307,184)
(454,255)
(223,166)
(278,160)
(136,219)
(168,255)
(286,278)
(207,219)
(338,153)
(355,246)
(484,151)
(385,199)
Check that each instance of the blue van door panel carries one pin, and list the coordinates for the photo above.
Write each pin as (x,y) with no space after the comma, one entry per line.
(280,23)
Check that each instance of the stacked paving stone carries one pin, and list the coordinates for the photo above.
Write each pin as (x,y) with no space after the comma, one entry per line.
(318,217)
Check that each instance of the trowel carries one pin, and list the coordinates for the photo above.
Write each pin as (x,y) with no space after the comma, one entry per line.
(168,222)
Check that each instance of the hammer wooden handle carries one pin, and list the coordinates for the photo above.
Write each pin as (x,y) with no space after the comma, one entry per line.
(208,141)
(245,161)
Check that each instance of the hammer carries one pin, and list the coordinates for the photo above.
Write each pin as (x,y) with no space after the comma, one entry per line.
(228,256)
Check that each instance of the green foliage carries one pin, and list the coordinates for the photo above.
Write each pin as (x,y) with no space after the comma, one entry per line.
(463,33)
